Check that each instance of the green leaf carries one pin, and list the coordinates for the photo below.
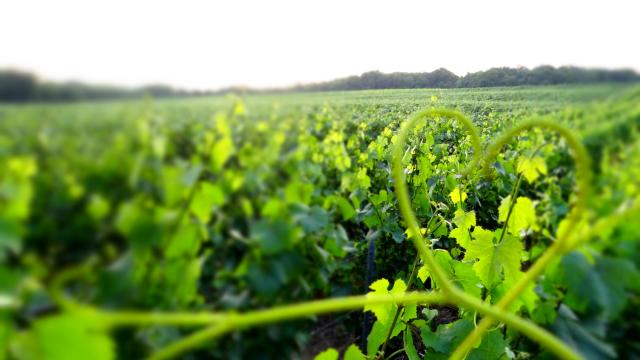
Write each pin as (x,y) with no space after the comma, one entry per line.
(172,185)
(465,276)
(135,220)
(544,313)
(462,236)
(66,337)
(98,207)
(423,273)
(531,168)
(409,347)
(458,196)
(443,259)
(602,288)
(221,152)
(10,236)
(379,198)
(480,234)
(376,337)
(206,197)
(353,353)
(329,354)
(580,336)
(313,219)
(447,336)
(409,312)
(383,312)
(528,298)
(464,220)
(346,210)
(186,241)
(362,179)
(493,260)
(523,215)
(273,236)
(492,347)
(298,192)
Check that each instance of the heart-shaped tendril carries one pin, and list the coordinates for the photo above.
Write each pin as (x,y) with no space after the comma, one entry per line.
(559,247)
(563,243)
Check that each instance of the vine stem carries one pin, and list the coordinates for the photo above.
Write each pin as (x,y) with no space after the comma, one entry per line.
(231,321)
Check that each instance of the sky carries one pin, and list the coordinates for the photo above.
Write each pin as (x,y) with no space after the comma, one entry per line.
(212,44)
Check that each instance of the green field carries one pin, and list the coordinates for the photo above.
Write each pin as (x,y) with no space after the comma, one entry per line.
(184,228)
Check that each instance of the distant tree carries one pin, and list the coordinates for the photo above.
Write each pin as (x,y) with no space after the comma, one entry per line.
(158,90)
(440,78)
(16,85)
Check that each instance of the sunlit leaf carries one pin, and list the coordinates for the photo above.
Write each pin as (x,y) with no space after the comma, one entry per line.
(458,196)
(532,168)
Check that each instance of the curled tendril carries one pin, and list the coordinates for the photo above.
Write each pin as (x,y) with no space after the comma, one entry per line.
(563,242)
(561,245)
(401,186)
(581,157)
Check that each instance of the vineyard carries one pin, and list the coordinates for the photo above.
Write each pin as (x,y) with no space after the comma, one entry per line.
(385,224)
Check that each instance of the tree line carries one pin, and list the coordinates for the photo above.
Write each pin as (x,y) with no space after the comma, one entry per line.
(503,76)
(19,86)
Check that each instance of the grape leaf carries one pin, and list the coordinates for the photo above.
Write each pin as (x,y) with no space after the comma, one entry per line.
(379,333)
(467,278)
(443,258)
(532,168)
(345,207)
(383,312)
(409,347)
(206,197)
(98,207)
(458,196)
(66,337)
(273,236)
(462,236)
(528,298)
(492,260)
(464,220)
(446,336)
(329,354)
(492,347)
(376,337)
(221,152)
(523,215)
(353,353)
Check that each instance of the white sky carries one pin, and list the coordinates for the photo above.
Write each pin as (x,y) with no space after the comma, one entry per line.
(211,44)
